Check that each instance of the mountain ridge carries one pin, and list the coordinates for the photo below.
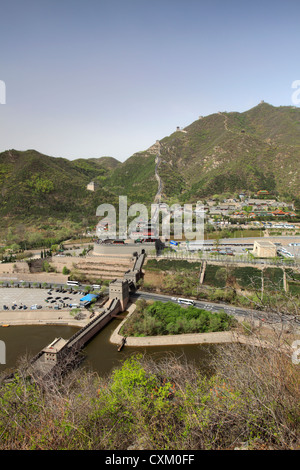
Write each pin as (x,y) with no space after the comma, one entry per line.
(212,145)
(222,153)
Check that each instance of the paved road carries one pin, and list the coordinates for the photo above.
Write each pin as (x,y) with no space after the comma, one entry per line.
(217,307)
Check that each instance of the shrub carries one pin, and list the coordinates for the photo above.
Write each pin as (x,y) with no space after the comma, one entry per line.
(154,405)
(161,318)
(65,270)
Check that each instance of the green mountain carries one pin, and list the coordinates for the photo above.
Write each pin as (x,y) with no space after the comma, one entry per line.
(218,154)
(231,152)
(135,178)
(36,187)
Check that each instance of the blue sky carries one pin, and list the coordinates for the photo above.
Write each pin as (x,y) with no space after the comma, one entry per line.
(109,77)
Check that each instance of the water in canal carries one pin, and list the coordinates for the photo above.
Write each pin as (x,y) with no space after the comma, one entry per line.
(101,356)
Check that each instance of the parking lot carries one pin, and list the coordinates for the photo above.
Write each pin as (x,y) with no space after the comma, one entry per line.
(20,297)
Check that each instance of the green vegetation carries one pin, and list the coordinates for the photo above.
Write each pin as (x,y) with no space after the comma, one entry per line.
(47,267)
(241,286)
(185,275)
(172,319)
(135,178)
(215,275)
(65,270)
(40,185)
(258,149)
(38,191)
(166,405)
(209,159)
(171,265)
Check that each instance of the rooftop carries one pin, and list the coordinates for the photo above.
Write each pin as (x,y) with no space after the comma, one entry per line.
(264,243)
(88,298)
(55,346)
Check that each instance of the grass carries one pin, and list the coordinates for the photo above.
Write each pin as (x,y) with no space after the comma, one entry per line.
(164,405)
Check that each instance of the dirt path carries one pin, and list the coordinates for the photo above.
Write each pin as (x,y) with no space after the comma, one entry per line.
(157,198)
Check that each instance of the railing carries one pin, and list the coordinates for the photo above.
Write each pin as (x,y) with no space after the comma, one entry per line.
(139,262)
(90,325)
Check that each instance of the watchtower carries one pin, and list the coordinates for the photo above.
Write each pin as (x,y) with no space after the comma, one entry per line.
(54,351)
(119,289)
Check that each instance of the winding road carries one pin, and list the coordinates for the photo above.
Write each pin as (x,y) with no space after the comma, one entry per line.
(250,314)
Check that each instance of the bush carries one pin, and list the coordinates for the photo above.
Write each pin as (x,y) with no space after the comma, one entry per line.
(161,318)
(155,405)
(47,267)
(66,270)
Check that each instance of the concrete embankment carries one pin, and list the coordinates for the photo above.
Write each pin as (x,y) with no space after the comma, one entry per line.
(185,339)
(40,317)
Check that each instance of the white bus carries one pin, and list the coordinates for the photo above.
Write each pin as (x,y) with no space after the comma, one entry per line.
(186,301)
(72,283)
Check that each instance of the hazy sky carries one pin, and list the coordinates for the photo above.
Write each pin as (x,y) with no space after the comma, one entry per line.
(110,77)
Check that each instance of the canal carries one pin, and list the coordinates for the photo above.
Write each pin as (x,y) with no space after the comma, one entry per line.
(101,356)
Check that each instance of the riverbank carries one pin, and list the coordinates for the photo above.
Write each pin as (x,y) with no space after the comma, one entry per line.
(63,318)
(40,317)
(218,337)
(182,339)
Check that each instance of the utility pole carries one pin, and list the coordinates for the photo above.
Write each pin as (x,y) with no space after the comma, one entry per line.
(285,284)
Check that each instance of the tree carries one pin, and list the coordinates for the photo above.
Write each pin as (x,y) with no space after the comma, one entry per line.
(46,267)
(65,270)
